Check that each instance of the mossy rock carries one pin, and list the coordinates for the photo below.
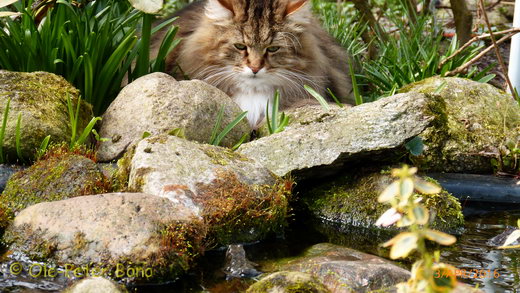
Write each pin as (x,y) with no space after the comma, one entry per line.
(117,235)
(341,269)
(41,100)
(472,120)
(288,282)
(352,200)
(52,179)
(238,198)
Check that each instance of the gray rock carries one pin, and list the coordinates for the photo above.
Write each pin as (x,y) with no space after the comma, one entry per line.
(288,282)
(239,198)
(157,103)
(344,270)
(331,140)
(116,232)
(472,120)
(95,285)
(41,99)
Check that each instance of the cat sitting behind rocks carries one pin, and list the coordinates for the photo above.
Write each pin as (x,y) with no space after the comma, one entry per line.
(250,48)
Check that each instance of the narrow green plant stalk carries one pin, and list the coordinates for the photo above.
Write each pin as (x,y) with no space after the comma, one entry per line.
(2,130)
(18,135)
(318,97)
(229,127)
(216,127)
(144,52)
(357,96)
(43,147)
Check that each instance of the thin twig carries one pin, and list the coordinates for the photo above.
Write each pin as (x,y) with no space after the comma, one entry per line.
(464,66)
(478,38)
(497,51)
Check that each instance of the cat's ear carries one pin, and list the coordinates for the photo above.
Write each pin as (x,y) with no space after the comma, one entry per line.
(294,5)
(298,9)
(219,9)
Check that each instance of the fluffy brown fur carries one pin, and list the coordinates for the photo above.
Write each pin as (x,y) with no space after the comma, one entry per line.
(250,48)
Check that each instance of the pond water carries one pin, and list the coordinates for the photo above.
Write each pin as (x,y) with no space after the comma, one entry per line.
(471,252)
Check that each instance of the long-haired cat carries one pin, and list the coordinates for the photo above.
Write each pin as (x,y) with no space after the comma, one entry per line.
(250,48)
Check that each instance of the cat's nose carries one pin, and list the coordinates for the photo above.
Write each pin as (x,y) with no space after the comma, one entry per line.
(255,69)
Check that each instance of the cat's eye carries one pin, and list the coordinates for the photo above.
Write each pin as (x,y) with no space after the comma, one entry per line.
(240,46)
(273,49)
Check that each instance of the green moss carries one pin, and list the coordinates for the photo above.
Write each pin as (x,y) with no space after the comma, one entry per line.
(352,200)
(38,247)
(180,244)
(41,98)
(288,282)
(237,212)
(59,176)
(470,118)
(120,179)
(222,156)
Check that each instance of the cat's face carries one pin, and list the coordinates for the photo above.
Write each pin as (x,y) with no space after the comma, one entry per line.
(255,44)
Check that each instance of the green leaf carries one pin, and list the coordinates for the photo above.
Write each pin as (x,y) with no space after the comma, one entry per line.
(439,237)
(18,136)
(318,97)
(229,127)
(145,135)
(179,132)
(99,138)
(420,215)
(389,193)
(43,147)
(415,146)
(86,132)
(2,130)
(426,187)
(402,244)
(240,142)
(487,78)
(406,189)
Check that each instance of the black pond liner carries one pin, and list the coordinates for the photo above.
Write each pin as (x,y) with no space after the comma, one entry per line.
(481,193)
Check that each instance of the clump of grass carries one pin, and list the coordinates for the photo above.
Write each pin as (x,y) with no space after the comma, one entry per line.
(92,44)
(276,122)
(217,137)
(414,51)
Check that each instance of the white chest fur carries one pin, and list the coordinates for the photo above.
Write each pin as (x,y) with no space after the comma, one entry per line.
(254,99)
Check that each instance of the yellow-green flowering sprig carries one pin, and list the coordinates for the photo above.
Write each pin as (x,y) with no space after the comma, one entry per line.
(407,211)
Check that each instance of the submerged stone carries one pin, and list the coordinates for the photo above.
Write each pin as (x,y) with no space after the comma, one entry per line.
(237,264)
(344,270)
(41,99)
(117,235)
(352,200)
(288,282)
(239,199)
(157,103)
(472,120)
